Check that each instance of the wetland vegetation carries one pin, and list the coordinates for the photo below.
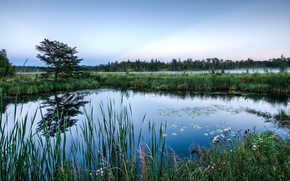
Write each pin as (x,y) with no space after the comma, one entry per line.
(255,82)
(111,148)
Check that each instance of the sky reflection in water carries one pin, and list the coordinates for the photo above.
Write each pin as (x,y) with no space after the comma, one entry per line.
(189,117)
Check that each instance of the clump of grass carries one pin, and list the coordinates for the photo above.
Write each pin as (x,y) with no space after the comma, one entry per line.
(256,156)
(237,93)
(282,115)
(28,85)
(249,156)
(282,119)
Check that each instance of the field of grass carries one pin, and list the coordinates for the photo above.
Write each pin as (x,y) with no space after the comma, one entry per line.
(27,84)
(109,148)
(255,82)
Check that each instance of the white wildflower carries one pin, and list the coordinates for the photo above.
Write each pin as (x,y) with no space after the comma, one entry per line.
(254,147)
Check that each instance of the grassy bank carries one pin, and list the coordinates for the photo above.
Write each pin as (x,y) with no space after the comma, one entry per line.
(255,82)
(27,84)
(109,148)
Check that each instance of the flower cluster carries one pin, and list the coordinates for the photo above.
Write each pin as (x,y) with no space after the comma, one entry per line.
(99,172)
(216,139)
(222,136)
(260,143)
(226,132)
(210,167)
(254,147)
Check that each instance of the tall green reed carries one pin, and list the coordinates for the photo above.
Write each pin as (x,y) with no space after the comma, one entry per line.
(103,148)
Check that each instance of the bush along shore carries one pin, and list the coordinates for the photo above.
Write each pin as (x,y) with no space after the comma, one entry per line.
(255,82)
(109,148)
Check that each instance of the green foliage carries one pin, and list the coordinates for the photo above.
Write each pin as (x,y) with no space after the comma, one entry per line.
(60,58)
(102,149)
(255,156)
(256,82)
(282,64)
(282,119)
(26,84)
(6,69)
(282,115)
(188,65)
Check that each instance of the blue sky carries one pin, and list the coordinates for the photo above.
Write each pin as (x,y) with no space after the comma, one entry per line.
(107,30)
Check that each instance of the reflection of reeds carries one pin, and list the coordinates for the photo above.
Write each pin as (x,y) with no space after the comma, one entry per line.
(282,119)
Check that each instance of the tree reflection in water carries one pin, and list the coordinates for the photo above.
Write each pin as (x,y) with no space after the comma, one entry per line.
(60,110)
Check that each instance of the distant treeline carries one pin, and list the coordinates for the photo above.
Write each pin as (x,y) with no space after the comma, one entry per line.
(40,69)
(178,65)
(190,65)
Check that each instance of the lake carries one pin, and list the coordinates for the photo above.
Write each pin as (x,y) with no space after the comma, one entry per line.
(185,118)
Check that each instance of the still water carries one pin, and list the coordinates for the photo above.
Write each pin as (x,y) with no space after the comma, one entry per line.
(185,117)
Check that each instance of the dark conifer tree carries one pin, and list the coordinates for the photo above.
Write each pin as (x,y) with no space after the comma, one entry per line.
(59,58)
(6,69)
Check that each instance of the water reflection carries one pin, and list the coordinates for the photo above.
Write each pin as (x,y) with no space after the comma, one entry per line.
(61,108)
(7,101)
(223,96)
(189,116)
(3,106)
(129,92)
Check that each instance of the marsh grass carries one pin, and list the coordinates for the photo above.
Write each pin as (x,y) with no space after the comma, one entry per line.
(234,159)
(102,149)
(28,86)
(258,156)
(256,82)
(110,148)
(282,119)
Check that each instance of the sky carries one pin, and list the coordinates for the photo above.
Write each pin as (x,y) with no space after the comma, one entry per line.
(117,30)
